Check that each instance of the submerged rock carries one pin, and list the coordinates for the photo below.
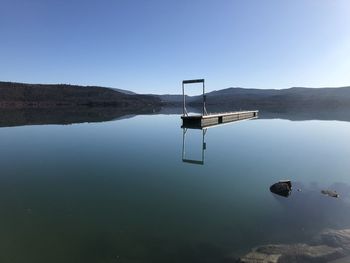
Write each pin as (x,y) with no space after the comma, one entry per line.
(328,246)
(292,253)
(341,260)
(282,188)
(335,238)
(256,257)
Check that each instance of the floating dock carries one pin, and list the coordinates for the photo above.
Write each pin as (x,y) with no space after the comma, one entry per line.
(208,120)
(205,120)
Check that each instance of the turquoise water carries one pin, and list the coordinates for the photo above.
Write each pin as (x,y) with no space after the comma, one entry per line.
(119,192)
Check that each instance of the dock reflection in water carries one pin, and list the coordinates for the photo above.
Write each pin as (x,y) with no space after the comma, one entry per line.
(203,145)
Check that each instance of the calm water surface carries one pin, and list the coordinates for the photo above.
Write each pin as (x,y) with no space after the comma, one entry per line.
(119,192)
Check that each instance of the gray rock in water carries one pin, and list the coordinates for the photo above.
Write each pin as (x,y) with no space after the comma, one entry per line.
(293,253)
(282,188)
(330,193)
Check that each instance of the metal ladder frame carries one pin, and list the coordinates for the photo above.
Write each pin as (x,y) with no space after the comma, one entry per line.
(192,81)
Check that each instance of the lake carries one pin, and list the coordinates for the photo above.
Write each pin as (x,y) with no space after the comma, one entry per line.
(119,191)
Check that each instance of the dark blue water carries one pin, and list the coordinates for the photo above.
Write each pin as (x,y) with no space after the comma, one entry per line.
(119,191)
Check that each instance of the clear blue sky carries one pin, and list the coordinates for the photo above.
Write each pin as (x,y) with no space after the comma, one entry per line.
(149,46)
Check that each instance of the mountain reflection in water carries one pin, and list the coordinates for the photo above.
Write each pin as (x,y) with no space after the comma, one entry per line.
(64,115)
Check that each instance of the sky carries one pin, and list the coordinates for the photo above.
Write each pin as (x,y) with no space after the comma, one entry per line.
(150,46)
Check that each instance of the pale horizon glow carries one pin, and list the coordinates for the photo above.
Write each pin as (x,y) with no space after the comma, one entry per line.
(151,46)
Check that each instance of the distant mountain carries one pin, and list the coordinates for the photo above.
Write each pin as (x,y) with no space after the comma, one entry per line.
(20,95)
(268,99)
(124,91)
